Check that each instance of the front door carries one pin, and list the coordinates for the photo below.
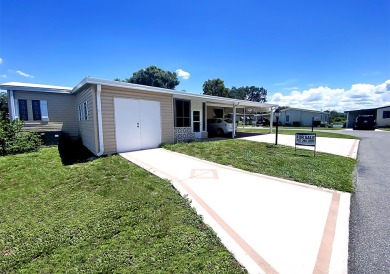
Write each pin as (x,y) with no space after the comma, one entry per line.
(196,120)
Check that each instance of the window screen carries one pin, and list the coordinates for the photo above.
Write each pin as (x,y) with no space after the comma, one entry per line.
(36,108)
(23,112)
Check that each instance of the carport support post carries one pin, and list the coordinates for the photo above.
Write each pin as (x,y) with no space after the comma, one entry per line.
(271,120)
(234,121)
(312,124)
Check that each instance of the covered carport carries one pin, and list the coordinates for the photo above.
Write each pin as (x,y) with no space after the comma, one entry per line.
(352,114)
(220,107)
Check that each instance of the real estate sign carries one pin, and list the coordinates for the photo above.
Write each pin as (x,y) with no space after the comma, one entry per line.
(305,139)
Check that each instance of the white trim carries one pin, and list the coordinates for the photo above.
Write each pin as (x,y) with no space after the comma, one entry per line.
(100,121)
(34,87)
(176,94)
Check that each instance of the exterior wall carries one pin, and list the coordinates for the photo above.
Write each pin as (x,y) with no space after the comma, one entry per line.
(379,117)
(302,116)
(295,116)
(61,110)
(108,114)
(88,128)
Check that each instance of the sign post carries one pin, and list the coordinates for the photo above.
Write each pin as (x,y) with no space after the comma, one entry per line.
(305,139)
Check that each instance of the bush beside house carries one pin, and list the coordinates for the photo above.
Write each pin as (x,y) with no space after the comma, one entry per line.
(13,140)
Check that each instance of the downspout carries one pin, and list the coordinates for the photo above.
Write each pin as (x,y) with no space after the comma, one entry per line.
(100,121)
(11,103)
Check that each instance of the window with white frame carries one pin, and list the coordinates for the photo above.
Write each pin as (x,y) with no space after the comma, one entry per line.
(83,111)
(287,118)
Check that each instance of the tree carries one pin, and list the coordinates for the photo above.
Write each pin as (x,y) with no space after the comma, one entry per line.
(3,106)
(153,76)
(251,93)
(238,93)
(256,94)
(215,87)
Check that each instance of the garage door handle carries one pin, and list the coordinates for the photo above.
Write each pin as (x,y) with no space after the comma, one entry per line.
(137,124)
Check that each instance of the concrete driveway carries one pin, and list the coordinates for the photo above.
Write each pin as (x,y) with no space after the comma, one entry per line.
(337,146)
(271,225)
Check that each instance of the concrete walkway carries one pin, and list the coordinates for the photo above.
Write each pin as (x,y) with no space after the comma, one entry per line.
(337,146)
(271,225)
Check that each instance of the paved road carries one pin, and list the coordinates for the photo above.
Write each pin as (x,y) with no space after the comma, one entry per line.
(369,246)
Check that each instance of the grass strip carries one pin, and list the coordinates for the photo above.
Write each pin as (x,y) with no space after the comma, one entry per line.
(102,216)
(323,170)
(293,131)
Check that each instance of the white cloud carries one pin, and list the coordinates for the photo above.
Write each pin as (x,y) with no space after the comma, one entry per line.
(183,74)
(24,74)
(3,76)
(1,60)
(323,98)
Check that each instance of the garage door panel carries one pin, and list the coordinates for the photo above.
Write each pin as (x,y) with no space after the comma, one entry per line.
(150,120)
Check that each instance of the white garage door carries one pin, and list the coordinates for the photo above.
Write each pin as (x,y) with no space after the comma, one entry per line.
(137,124)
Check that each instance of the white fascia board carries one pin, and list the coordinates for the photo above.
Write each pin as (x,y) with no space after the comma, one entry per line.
(17,86)
(175,93)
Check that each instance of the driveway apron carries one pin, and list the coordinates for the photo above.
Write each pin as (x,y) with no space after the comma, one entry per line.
(270,225)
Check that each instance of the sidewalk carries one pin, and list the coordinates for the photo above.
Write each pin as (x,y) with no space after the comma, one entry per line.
(271,225)
(337,146)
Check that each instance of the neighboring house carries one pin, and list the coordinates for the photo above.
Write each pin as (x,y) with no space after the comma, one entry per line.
(112,116)
(381,114)
(302,117)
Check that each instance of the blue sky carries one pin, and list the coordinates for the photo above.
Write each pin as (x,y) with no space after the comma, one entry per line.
(300,51)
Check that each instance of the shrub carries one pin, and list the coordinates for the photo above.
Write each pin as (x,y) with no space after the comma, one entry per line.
(13,140)
(296,123)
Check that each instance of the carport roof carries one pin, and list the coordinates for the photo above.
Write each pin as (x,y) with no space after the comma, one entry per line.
(227,102)
(366,109)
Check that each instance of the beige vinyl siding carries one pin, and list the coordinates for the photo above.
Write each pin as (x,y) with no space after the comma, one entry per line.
(88,128)
(60,109)
(382,122)
(108,95)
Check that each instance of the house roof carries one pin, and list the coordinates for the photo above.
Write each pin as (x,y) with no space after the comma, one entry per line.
(223,101)
(212,100)
(308,110)
(35,87)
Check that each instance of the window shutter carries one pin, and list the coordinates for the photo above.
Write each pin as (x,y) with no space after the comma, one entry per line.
(16,109)
(44,111)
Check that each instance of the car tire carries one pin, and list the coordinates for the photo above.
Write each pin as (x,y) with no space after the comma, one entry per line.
(220,132)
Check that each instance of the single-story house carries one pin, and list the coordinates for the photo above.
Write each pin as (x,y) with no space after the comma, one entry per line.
(381,115)
(302,117)
(112,116)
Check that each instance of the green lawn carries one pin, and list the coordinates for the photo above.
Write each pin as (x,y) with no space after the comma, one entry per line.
(324,170)
(292,131)
(102,216)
